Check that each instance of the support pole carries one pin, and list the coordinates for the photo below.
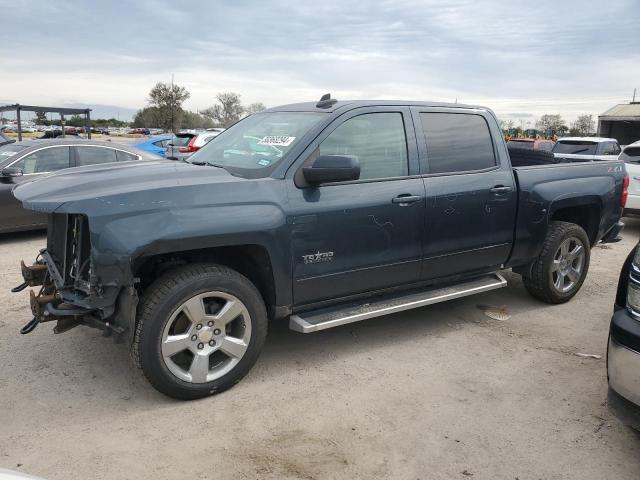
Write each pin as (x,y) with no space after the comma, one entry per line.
(62,124)
(88,124)
(19,123)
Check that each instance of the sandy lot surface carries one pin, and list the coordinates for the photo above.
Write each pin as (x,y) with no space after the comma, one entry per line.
(437,393)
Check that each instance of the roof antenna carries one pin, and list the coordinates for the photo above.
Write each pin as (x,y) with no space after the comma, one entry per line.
(326,101)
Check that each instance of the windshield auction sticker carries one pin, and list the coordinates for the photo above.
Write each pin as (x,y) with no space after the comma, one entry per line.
(277,140)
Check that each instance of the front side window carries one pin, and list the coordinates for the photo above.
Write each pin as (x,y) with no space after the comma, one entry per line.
(377,140)
(95,155)
(45,160)
(457,142)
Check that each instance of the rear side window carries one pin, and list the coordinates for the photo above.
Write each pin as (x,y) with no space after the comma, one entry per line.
(94,155)
(457,142)
(126,156)
(377,140)
(609,148)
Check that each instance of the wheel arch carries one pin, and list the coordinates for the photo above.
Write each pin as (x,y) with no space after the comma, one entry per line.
(252,260)
(586,214)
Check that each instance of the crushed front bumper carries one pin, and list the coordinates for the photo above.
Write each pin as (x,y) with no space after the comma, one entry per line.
(47,304)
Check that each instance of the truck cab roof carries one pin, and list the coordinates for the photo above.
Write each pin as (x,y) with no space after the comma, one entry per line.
(350,104)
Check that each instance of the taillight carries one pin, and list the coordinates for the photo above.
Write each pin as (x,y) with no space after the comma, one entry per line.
(191,147)
(625,190)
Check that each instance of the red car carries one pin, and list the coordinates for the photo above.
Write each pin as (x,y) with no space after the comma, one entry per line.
(531,143)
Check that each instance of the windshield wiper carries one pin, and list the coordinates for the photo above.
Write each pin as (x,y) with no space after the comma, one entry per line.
(581,150)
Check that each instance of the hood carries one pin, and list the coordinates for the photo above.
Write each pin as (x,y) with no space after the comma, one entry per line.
(150,179)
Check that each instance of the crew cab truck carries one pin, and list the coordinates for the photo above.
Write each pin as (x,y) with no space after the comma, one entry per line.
(321,213)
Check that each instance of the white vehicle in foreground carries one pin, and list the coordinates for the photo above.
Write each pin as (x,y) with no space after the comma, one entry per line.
(586,149)
(631,157)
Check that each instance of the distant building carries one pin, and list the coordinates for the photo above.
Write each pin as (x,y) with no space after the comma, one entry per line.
(621,122)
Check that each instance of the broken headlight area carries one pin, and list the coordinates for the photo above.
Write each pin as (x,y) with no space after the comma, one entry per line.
(63,273)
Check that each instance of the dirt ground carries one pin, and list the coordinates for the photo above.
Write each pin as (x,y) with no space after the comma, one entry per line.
(436,393)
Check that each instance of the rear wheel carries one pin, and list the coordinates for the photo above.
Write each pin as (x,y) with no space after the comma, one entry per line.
(200,330)
(561,268)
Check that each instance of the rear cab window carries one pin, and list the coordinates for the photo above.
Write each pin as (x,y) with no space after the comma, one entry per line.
(457,142)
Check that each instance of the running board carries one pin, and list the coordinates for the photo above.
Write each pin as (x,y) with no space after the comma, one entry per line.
(329,317)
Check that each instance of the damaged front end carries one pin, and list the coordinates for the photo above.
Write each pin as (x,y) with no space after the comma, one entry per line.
(69,291)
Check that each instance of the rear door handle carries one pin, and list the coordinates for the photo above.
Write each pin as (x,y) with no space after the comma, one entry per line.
(501,190)
(406,199)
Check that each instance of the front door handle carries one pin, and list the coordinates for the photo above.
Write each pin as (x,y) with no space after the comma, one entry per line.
(406,199)
(501,190)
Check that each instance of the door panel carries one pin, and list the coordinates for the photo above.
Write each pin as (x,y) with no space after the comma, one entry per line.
(470,192)
(353,238)
(12,214)
(467,226)
(356,237)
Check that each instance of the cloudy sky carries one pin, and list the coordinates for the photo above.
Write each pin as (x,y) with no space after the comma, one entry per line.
(522,59)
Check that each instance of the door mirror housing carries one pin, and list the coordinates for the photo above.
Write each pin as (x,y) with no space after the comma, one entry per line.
(12,172)
(332,168)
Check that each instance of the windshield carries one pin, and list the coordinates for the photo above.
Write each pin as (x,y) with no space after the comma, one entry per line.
(576,147)
(10,149)
(258,142)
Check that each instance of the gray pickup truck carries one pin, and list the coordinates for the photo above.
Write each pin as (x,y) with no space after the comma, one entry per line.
(320,213)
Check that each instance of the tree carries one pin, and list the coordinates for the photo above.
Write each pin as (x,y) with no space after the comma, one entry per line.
(551,124)
(195,120)
(41,118)
(167,99)
(583,126)
(255,108)
(228,111)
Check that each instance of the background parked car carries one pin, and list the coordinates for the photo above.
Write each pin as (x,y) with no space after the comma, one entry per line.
(23,161)
(156,145)
(139,131)
(623,351)
(631,157)
(56,133)
(197,142)
(532,143)
(178,142)
(586,149)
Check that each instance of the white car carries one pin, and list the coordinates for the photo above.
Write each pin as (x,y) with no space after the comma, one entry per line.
(631,157)
(586,149)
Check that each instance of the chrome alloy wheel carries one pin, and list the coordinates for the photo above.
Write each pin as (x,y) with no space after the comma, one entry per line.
(206,337)
(568,264)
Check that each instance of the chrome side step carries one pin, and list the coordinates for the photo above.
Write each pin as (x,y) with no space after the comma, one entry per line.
(322,319)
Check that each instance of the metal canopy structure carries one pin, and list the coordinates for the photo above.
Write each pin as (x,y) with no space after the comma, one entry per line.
(61,110)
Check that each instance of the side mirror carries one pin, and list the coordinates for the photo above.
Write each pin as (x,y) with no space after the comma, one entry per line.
(12,172)
(332,168)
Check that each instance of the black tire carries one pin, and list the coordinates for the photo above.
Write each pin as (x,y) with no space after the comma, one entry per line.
(524,157)
(163,298)
(539,279)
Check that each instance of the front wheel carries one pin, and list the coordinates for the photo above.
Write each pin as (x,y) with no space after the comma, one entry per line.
(561,268)
(200,330)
